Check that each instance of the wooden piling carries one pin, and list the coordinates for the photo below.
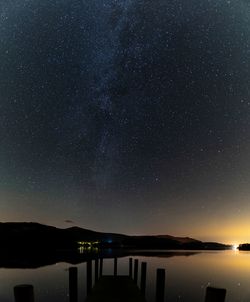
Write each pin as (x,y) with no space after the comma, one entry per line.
(89,276)
(215,294)
(130,267)
(96,270)
(101,266)
(160,285)
(24,293)
(143,277)
(136,270)
(115,266)
(73,291)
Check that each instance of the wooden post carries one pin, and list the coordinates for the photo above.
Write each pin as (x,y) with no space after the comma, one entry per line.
(96,270)
(160,285)
(24,293)
(215,294)
(136,270)
(89,276)
(115,266)
(73,292)
(143,277)
(101,266)
(130,267)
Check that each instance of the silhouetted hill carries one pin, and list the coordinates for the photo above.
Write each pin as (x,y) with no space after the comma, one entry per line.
(244,247)
(29,235)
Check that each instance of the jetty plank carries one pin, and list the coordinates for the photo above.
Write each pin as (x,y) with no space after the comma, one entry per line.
(114,289)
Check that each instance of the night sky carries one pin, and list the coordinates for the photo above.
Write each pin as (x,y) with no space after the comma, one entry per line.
(127,116)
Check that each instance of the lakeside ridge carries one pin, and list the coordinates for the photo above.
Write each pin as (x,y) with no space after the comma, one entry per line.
(31,235)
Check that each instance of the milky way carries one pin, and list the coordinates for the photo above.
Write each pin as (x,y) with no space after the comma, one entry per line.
(126,115)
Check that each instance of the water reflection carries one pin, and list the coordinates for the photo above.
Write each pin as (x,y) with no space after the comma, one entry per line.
(187,276)
(36,258)
(88,249)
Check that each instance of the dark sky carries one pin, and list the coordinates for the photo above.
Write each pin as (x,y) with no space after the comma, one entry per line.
(128,116)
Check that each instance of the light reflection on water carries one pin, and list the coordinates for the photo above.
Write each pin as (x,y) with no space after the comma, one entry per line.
(186,277)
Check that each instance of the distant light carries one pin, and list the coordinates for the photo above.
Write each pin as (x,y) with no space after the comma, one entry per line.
(235,247)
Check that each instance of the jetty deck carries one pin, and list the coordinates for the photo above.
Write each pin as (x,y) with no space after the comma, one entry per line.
(115,288)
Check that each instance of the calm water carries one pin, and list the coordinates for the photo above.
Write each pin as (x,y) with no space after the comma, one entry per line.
(186,277)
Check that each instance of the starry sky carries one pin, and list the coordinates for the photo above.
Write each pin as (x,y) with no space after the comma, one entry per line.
(127,116)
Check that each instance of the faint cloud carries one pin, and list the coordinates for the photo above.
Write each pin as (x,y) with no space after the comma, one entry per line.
(68,221)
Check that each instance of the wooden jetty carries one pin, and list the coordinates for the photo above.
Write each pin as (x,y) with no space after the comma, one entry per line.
(115,288)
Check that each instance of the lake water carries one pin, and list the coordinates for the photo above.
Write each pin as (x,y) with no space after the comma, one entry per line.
(187,276)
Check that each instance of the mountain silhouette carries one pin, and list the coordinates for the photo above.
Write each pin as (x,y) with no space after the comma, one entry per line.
(30,235)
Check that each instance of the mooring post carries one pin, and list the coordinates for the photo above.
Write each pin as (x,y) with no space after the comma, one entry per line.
(136,270)
(24,293)
(89,276)
(130,267)
(143,277)
(101,266)
(215,294)
(96,270)
(115,266)
(73,292)
(160,285)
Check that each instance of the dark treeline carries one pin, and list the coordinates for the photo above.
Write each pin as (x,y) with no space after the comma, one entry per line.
(244,247)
